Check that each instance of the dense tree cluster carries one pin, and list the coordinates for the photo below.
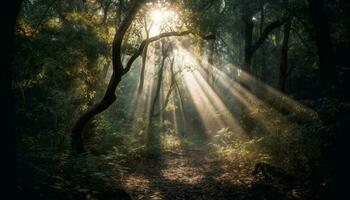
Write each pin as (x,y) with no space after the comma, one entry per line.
(77,64)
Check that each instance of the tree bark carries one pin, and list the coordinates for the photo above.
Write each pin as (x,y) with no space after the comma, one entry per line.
(152,140)
(143,68)
(248,41)
(80,5)
(263,70)
(182,109)
(283,71)
(9,139)
(144,58)
(168,94)
(324,46)
(160,79)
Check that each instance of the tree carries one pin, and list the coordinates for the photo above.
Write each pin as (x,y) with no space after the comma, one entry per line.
(77,140)
(283,71)
(152,140)
(250,46)
(320,24)
(118,72)
(9,23)
(144,56)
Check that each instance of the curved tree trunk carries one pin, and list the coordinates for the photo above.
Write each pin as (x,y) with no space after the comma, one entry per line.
(77,140)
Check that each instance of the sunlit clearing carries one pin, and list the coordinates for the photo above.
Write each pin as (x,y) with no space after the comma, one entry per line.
(162,18)
(183,174)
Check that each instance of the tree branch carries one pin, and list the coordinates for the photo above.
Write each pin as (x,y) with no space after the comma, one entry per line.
(265,33)
(158,37)
(43,16)
(146,42)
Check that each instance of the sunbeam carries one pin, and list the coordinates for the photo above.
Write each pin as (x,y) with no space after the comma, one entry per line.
(176,99)
(163,18)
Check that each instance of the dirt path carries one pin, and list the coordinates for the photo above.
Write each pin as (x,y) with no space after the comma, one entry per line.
(194,174)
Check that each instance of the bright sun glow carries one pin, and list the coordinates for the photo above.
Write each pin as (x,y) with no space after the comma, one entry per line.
(162,19)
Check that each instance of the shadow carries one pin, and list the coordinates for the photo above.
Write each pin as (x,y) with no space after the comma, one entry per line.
(188,174)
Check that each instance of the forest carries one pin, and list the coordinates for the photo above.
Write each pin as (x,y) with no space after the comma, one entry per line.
(177,99)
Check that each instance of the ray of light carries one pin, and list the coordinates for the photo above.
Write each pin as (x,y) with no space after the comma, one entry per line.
(150,87)
(203,106)
(212,110)
(211,99)
(252,105)
(246,79)
(265,115)
(163,18)
(286,102)
(143,101)
(224,112)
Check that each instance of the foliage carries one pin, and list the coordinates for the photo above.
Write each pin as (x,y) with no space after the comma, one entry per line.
(62,64)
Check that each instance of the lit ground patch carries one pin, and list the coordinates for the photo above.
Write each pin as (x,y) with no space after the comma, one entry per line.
(183,172)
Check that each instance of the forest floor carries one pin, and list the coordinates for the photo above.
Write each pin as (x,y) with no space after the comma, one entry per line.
(195,173)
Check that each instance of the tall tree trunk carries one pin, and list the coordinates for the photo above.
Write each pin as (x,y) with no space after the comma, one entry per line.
(158,87)
(152,140)
(343,52)
(182,110)
(323,43)
(331,154)
(143,68)
(283,71)
(9,139)
(248,41)
(263,70)
(80,5)
(212,53)
(144,55)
